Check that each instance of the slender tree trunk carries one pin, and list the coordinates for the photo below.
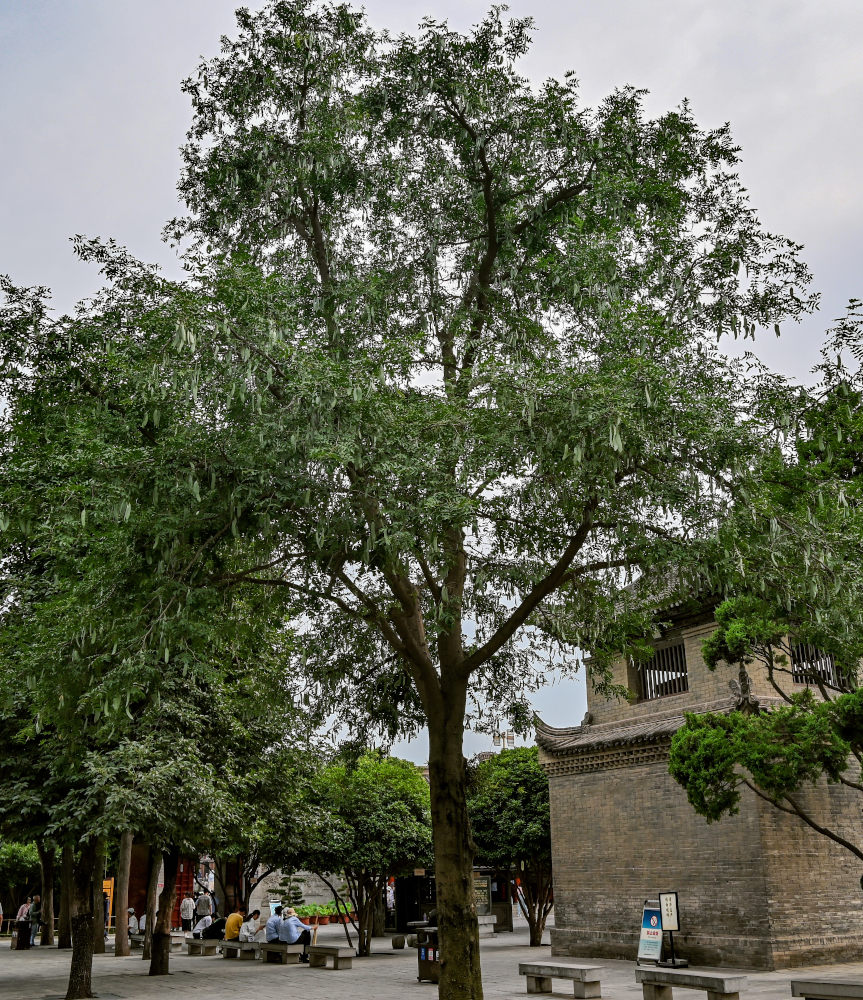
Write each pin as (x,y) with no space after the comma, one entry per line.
(121,896)
(46,865)
(460,973)
(153,865)
(98,904)
(161,955)
(83,877)
(379,915)
(64,928)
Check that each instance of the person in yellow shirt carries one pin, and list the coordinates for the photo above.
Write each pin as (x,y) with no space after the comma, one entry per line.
(235,922)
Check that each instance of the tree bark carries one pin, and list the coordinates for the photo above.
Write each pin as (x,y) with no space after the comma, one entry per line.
(64,928)
(458,931)
(98,904)
(83,876)
(161,953)
(46,865)
(121,896)
(153,866)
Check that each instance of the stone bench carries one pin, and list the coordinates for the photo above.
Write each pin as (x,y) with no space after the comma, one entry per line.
(824,989)
(280,951)
(234,948)
(584,978)
(656,983)
(136,940)
(319,953)
(201,946)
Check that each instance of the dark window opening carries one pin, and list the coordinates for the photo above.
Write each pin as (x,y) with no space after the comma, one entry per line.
(665,673)
(811,665)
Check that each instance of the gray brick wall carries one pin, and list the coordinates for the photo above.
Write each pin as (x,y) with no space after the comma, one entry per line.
(759,889)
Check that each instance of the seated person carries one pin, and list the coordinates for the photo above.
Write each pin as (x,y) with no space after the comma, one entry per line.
(133,921)
(215,930)
(201,925)
(235,922)
(250,928)
(271,929)
(294,931)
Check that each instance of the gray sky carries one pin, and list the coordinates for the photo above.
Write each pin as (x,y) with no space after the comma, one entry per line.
(92,117)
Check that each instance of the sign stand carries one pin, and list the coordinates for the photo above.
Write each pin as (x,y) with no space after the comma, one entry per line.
(671,923)
(650,940)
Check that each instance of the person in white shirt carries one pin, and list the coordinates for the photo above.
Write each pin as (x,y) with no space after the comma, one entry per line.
(133,921)
(249,928)
(201,925)
(187,912)
(142,922)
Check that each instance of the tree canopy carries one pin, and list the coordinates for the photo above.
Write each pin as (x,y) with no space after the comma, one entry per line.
(510,819)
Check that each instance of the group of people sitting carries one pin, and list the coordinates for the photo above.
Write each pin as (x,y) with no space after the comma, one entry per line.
(284,925)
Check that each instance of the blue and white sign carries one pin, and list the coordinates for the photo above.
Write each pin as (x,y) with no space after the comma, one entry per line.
(650,942)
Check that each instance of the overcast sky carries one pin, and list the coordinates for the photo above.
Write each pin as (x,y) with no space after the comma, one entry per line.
(92,118)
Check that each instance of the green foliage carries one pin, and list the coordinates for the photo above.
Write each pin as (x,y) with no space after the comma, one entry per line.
(20,874)
(509,810)
(780,751)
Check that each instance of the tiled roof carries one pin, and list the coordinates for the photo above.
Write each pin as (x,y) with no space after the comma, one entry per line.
(608,734)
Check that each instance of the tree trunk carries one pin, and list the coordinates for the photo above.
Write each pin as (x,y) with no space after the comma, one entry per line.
(83,877)
(458,931)
(380,913)
(46,865)
(98,902)
(153,866)
(64,928)
(161,954)
(121,896)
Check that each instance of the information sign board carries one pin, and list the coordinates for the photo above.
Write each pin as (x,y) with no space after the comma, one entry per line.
(650,941)
(668,908)
(482,894)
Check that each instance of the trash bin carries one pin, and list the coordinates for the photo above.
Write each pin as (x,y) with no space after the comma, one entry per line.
(428,955)
(23,940)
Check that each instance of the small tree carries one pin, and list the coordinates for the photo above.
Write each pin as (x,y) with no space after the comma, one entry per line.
(374,823)
(510,818)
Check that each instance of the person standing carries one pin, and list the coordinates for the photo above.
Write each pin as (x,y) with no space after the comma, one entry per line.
(202,906)
(106,913)
(187,912)
(22,926)
(35,918)
(294,931)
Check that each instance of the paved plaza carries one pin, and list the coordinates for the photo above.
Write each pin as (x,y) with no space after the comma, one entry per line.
(386,975)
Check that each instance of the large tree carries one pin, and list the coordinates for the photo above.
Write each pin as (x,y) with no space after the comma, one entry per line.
(510,818)
(463,330)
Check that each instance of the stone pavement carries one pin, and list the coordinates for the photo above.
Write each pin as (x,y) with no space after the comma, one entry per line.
(41,974)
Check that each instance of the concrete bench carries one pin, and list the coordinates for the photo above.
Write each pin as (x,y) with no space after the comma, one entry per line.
(280,951)
(234,948)
(201,946)
(656,984)
(584,978)
(319,953)
(136,940)
(824,989)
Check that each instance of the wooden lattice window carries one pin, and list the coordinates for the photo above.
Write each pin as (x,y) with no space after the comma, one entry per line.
(811,665)
(664,673)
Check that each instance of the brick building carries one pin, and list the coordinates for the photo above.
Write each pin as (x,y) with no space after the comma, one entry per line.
(760,889)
